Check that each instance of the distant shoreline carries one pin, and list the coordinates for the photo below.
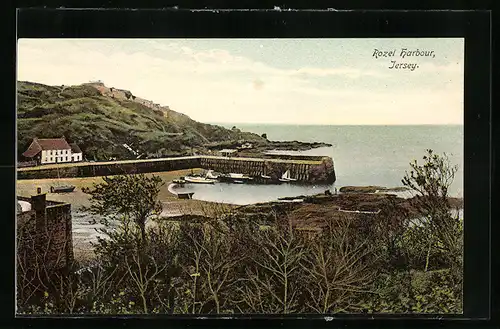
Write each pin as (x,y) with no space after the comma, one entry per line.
(242,124)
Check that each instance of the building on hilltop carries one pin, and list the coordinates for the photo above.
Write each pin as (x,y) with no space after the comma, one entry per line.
(52,150)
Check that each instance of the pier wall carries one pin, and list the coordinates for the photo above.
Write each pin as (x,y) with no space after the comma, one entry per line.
(110,168)
(304,171)
(319,170)
(293,157)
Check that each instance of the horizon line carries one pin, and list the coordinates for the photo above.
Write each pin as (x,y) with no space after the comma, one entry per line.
(336,124)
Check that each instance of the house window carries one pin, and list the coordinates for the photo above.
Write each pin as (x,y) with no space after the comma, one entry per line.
(66,158)
(46,159)
(51,159)
(50,152)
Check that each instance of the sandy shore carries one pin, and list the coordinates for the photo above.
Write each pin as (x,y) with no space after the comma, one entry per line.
(85,233)
(77,198)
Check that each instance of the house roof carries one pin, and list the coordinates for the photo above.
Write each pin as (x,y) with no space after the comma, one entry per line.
(40,144)
(75,148)
(53,144)
(32,150)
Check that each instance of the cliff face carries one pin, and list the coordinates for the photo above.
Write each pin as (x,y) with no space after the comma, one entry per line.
(101,119)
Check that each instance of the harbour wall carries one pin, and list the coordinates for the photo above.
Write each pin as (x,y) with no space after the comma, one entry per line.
(108,168)
(312,171)
(317,170)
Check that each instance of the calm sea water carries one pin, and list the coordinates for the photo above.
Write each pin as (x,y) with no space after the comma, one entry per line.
(363,155)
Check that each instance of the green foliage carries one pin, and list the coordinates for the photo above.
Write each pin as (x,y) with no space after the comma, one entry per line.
(440,229)
(416,292)
(130,197)
(433,178)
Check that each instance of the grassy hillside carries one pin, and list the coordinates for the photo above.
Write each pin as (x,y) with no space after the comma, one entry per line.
(100,124)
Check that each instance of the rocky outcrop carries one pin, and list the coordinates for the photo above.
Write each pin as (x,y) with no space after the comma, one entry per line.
(371,189)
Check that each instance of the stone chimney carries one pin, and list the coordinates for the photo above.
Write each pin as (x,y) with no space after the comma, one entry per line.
(39,205)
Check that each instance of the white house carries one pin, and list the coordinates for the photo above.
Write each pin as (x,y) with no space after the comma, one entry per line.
(76,153)
(52,150)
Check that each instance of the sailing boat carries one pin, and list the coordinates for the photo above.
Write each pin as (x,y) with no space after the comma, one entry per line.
(264,175)
(62,188)
(286,177)
(211,175)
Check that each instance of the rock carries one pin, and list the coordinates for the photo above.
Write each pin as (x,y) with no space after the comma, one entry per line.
(371,189)
(360,189)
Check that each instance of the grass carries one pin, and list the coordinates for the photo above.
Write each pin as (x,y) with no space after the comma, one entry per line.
(101,124)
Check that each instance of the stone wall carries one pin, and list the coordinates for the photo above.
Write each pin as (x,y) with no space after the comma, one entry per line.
(294,157)
(110,168)
(304,171)
(44,234)
(319,170)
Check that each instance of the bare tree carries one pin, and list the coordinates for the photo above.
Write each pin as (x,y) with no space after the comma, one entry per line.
(274,277)
(143,273)
(339,266)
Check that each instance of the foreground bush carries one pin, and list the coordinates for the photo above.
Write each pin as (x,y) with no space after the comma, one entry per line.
(389,263)
(209,268)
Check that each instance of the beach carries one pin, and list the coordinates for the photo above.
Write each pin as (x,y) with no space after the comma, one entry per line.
(85,233)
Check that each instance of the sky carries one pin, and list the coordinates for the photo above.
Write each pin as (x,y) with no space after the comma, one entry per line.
(276,81)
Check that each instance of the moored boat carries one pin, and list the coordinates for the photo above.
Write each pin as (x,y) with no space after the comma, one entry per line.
(235,178)
(211,175)
(188,195)
(62,189)
(286,177)
(199,180)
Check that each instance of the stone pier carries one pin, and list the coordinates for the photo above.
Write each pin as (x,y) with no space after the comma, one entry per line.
(310,170)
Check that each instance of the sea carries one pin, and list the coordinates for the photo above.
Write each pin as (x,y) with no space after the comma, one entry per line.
(363,155)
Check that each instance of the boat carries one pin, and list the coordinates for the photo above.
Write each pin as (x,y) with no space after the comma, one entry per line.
(62,188)
(240,176)
(210,175)
(235,178)
(286,177)
(199,180)
(179,181)
(188,195)
(265,176)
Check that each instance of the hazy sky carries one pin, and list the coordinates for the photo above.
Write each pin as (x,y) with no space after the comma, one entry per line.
(295,81)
